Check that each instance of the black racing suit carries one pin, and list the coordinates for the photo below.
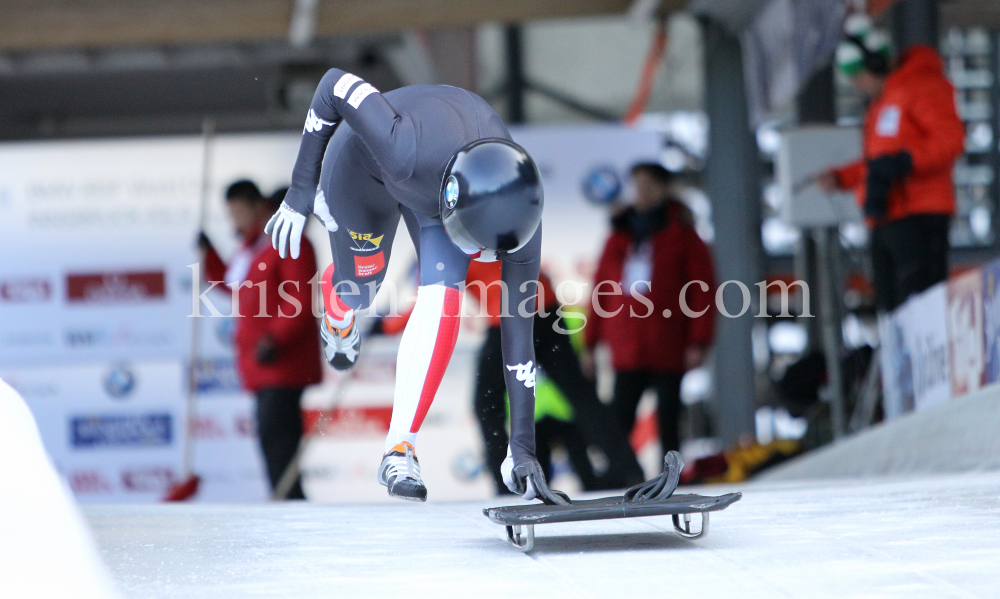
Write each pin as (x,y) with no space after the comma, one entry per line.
(387,160)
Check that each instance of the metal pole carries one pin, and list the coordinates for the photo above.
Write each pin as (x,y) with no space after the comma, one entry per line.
(569,101)
(816,103)
(827,245)
(915,22)
(806,267)
(864,409)
(515,75)
(207,143)
(732,181)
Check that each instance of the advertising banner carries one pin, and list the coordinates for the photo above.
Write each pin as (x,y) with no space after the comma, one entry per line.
(925,339)
(991,322)
(966,359)
(104,242)
(102,246)
(943,343)
(101,277)
(895,366)
(914,356)
(116,431)
(227,455)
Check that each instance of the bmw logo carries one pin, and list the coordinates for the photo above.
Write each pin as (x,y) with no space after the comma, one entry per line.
(451,192)
(601,185)
(119,382)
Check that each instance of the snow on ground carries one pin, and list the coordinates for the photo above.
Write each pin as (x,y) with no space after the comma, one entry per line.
(927,537)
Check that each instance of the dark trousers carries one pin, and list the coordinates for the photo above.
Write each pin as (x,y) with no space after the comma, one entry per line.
(279,426)
(908,256)
(594,421)
(549,432)
(629,387)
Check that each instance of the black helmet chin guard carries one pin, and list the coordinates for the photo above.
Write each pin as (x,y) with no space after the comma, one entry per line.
(491,197)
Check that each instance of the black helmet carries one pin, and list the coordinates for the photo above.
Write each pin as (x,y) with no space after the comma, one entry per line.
(491,197)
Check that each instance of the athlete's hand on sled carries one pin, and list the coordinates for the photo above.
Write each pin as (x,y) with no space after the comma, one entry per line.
(528,481)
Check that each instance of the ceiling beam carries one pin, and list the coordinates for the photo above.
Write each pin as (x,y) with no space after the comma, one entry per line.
(59,24)
(344,16)
(43,24)
(971,13)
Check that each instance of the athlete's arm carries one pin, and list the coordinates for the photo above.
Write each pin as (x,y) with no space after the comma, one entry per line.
(519,273)
(517,334)
(389,136)
(341,95)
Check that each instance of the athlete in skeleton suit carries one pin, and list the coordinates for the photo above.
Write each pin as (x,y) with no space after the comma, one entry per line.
(441,158)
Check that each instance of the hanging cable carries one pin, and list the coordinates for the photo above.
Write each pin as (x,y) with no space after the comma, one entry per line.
(653,60)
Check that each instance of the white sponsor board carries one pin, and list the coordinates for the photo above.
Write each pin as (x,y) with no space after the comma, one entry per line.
(966,355)
(926,336)
(895,367)
(227,454)
(97,226)
(98,273)
(96,251)
(915,365)
(116,432)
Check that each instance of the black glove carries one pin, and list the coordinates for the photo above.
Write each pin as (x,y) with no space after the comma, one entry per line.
(267,351)
(883,171)
(204,243)
(528,481)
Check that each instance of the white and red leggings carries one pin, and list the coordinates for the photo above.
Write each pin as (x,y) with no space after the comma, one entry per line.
(424,352)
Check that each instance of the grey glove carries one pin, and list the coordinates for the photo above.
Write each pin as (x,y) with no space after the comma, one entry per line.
(528,481)
(285,229)
(288,223)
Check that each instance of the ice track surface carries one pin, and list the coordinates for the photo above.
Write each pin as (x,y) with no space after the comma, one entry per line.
(928,537)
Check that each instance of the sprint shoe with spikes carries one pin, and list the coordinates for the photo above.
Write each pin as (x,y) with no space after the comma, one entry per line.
(400,473)
(342,345)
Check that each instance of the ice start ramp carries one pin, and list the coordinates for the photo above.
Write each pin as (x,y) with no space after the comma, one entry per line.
(962,435)
(931,537)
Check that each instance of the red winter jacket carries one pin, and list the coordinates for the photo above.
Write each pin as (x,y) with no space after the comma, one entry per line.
(655,343)
(296,337)
(916,113)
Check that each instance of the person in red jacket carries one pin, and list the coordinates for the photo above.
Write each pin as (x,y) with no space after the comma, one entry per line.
(277,343)
(652,298)
(912,137)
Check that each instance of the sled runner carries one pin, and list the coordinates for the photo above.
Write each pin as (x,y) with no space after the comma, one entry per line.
(652,498)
